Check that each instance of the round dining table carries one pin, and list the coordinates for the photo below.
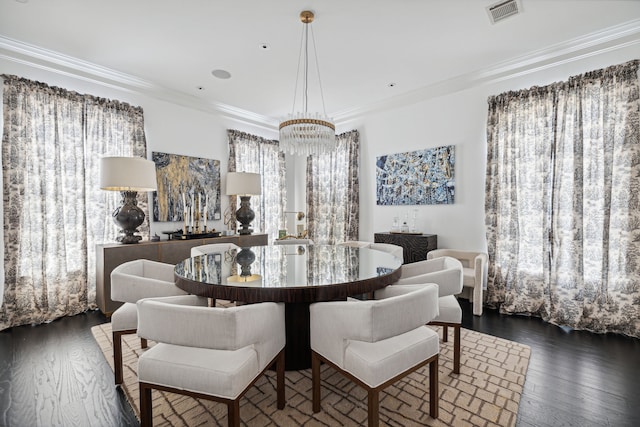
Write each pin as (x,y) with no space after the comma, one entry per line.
(296,275)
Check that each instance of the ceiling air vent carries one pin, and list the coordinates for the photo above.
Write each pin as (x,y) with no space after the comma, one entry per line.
(504,9)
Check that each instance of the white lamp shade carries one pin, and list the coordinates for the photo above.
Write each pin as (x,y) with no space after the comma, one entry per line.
(127,174)
(243,184)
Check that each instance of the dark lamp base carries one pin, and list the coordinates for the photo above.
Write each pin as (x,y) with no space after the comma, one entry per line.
(129,217)
(245,215)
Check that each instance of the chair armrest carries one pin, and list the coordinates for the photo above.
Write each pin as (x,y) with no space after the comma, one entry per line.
(396,290)
(158,270)
(129,288)
(168,320)
(449,281)
(421,267)
(481,262)
(333,324)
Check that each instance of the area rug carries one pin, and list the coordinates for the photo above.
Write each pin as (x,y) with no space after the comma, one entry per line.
(486,392)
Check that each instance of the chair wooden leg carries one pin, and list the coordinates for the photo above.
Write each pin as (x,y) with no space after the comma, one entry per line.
(280,380)
(434,393)
(456,349)
(143,343)
(146,415)
(117,356)
(373,401)
(445,333)
(315,380)
(233,413)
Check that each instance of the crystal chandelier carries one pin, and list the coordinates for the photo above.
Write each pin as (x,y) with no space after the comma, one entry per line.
(305,133)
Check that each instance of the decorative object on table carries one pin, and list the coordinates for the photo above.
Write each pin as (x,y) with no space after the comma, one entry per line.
(245,257)
(424,177)
(244,185)
(229,221)
(188,190)
(180,235)
(305,133)
(155,238)
(301,231)
(128,175)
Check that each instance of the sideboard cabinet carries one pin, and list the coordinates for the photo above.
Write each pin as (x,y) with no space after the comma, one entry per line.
(111,255)
(415,246)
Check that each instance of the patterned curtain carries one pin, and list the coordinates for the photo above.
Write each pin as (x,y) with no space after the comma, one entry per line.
(250,153)
(54,211)
(333,192)
(562,201)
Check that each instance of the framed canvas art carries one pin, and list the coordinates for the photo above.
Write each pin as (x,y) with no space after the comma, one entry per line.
(424,177)
(185,182)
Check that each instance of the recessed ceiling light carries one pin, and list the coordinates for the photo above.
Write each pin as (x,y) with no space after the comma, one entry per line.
(200,87)
(264,46)
(221,74)
(391,85)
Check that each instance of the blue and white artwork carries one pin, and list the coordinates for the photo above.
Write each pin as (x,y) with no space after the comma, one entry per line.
(424,177)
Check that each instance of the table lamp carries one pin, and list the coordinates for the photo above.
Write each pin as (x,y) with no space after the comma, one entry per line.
(128,175)
(244,185)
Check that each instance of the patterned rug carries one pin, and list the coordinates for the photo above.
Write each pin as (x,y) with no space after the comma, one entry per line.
(485,393)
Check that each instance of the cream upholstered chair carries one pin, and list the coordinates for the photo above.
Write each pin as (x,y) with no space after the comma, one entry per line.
(213,247)
(208,353)
(131,281)
(395,250)
(376,342)
(446,272)
(475,266)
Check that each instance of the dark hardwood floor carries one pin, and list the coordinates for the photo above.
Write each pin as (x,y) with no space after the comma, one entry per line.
(55,374)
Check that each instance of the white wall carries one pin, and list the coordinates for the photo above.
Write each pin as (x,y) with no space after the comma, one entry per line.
(457,119)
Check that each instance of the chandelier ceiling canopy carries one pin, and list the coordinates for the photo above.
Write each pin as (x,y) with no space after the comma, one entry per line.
(302,132)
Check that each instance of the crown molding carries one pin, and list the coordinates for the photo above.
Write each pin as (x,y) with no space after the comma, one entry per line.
(612,38)
(609,39)
(58,63)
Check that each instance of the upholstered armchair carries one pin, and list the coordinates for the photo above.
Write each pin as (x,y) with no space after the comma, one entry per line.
(130,282)
(213,247)
(208,353)
(446,272)
(475,266)
(395,250)
(376,342)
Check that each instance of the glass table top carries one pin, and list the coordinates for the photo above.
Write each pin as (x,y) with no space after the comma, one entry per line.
(288,266)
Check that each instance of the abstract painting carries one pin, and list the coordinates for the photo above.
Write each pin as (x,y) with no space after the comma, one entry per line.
(184,180)
(424,177)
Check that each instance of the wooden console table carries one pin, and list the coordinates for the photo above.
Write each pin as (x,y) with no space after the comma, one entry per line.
(111,255)
(415,246)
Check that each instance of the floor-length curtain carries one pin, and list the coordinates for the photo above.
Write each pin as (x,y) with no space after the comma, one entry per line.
(250,153)
(563,199)
(333,192)
(53,210)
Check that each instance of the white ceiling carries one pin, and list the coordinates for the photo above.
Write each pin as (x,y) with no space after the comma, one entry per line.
(421,46)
